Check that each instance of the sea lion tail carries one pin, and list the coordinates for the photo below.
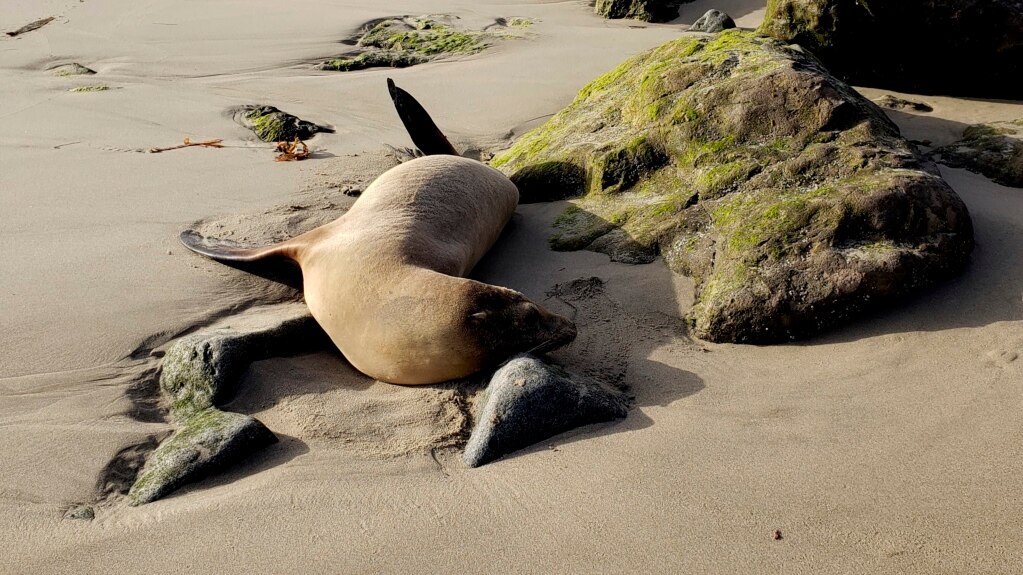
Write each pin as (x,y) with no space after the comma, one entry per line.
(226,251)
(420,126)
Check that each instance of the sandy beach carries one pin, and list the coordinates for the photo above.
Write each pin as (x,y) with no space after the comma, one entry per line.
(891,445)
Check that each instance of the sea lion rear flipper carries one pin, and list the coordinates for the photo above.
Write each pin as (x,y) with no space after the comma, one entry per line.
(424,132)
(225,251)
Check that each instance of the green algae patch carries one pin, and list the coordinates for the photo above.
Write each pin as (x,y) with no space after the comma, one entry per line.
(85,89)
(747,166)
(405,41)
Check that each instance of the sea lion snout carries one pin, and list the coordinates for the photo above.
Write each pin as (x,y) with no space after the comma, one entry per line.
(556,331)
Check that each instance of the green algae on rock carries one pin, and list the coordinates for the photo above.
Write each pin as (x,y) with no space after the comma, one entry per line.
(406,41)
(272,125)
(648,10)
(207,442)
(994,150)
(950,47)
(790,199)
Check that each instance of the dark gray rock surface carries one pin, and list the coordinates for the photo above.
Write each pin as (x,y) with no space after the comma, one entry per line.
(713,21)
(528,401)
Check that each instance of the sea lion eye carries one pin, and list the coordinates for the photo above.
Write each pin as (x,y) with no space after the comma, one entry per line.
(480,315)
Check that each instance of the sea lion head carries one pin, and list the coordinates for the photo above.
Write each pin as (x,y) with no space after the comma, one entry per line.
(504,322)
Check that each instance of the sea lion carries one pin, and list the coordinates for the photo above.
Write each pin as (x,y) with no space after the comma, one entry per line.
(386,280)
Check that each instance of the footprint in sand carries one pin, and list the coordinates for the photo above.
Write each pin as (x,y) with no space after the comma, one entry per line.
(1002,358)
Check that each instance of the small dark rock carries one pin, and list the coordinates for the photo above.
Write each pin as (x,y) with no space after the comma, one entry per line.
(81,513)
(273,125)
(713,21)
(31,26)
(649,10)
(528,401)
(891,102)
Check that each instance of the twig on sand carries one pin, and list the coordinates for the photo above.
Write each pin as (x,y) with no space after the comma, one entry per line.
(31,26)
(290,152)
(188,144)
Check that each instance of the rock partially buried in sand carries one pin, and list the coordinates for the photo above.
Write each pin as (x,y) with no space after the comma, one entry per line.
(648,10)
(406,41)
(954,47)
(528,401)
(791,200)
(200,371)
(272,125)
(994,150)
(713,21)
(208,442)
(72,69)
(894,103)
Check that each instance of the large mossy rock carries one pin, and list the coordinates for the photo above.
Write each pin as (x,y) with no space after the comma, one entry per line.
(789,198)
(995,150)
(649,10)
(961,47)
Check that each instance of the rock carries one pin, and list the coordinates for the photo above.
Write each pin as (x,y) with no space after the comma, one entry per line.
(202,369)
(272,125)
(80,513)
(208,442)
(72,69)
(528,401)
(406,41)
(791,200)
(953,47)
(891,102)
(649,10)
(994,150)
(713,21)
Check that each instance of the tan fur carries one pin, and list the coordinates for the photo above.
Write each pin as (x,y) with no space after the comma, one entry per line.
(385,280)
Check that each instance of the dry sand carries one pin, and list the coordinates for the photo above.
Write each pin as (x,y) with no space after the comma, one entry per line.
(894,445)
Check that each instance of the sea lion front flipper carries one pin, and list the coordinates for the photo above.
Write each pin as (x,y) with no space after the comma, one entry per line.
(424,132)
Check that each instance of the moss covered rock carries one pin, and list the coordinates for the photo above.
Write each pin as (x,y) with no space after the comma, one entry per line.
(967,47)
(649,10)
(995,150)
(272,125)
(406,41)
(207,442)
(789,198)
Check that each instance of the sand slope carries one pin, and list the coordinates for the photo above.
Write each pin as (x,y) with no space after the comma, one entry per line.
(890,446)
